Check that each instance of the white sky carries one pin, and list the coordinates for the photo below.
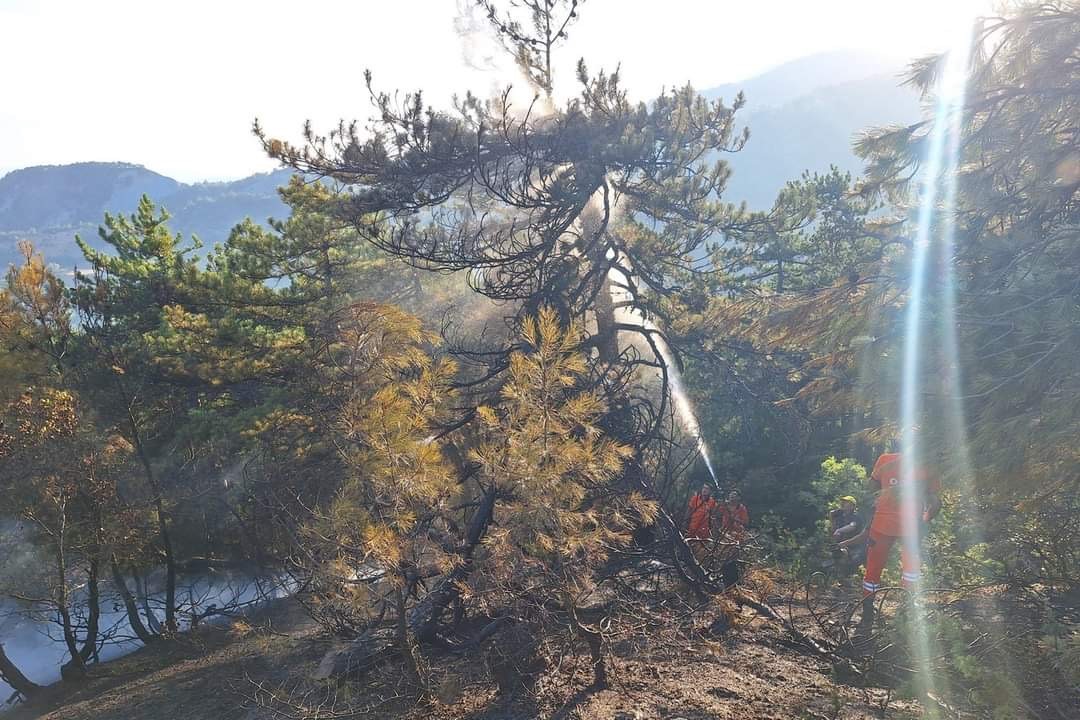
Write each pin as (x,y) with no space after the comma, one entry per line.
(175,85)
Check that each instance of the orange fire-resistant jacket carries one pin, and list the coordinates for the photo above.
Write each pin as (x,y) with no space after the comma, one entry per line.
(701,511)
(888,515)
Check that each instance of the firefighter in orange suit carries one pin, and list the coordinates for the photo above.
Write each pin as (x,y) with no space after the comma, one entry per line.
(702,506)
(900,513)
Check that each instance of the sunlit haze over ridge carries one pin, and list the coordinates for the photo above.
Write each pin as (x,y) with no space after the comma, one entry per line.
(175,86)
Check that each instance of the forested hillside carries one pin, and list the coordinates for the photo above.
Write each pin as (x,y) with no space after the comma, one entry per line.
(49,205)
(524,407)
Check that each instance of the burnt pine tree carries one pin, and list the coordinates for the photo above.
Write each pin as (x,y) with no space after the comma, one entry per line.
(596,208)
(530,31)
(553,468)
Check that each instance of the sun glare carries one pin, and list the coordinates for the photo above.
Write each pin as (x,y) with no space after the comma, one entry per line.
(937,194)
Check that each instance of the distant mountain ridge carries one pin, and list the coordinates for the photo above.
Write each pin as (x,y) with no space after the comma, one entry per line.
(805,115)
(50,204)
(802,115)
(813,132)
(804,76)
(55,195)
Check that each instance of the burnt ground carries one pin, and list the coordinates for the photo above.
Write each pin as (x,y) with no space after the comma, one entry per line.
(215,673)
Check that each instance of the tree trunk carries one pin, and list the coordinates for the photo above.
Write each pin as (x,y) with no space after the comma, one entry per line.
(405,643)
(374,645)
(151,618)
(425,617)
(130,607)
(75,667)
(10,674)
(170,568)
(607,334)
(594,225)
(163,527)
(93,602)
(166,543)
(359,655)
(594,640)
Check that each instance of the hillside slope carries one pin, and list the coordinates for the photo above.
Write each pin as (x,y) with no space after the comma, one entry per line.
(217,675)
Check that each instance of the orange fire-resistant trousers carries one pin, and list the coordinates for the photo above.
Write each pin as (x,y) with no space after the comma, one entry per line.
(877,554)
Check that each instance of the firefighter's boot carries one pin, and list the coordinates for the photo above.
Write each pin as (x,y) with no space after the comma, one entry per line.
(866,621)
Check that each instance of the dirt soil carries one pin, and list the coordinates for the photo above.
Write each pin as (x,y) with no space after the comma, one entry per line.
(213,674)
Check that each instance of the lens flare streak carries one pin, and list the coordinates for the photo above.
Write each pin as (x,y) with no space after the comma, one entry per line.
(940,169)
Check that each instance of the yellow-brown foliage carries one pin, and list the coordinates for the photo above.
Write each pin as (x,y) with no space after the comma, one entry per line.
(552,466)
